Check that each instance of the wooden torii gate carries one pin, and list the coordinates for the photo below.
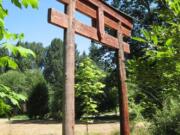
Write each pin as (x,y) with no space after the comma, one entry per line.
(102,16)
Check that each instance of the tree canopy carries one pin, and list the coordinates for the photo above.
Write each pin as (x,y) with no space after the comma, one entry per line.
(6,61)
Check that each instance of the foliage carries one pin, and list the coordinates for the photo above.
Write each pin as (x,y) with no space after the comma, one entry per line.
(153,72)
(21,82)
(157,72)
(20,117)
(7,95)
(106,60)
(54,62)
(88,86)
(53,73)
(14,80)
(32,77)
(6,35)
(31,62)
(37,104)
(4,108)
(146,14)
(6,61)
(167,120)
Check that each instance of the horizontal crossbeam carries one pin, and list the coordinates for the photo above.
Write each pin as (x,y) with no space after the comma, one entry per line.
(85,7)
(61,20)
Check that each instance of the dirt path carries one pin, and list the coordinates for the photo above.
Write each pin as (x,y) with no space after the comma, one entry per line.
(52,128)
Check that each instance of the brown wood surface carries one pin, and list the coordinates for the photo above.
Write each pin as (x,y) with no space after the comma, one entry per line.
(61,20)
(84,7)
(123,102)
(112,12)
(69,74)
(100,23)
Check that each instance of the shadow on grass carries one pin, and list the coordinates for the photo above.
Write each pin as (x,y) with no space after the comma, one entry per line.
(96,120)
(102,119)
(35,122)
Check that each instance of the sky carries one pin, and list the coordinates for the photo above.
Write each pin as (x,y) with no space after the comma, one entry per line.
(33,23)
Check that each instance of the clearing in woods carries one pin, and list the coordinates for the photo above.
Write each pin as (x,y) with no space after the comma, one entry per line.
(52,128)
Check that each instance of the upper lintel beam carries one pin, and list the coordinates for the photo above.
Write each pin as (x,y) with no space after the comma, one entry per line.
(61,19)
(85,7)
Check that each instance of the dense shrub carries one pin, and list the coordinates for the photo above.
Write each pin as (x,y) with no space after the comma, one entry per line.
(167,121)
(37,105)
(21,83)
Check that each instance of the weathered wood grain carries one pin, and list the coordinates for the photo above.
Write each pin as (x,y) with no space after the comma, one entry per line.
(69,73)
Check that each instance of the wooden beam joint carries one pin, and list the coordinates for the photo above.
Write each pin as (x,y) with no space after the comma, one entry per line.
(60,19)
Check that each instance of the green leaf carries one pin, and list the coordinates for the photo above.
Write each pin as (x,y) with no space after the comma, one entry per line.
(1,22)
(25,52)
(16,3)
(164,54)
(146,34)
(19,49)
(33,3)
(139,39)
(25,3)
(22,97)
(11,36)
(155,39)
(2,94)
(7,61)
(10,48)
(14,101)
(169,42)
(1,34)
(7,35)
(7,93)
(3,12)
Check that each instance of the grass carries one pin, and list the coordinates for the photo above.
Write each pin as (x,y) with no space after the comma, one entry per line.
(20,117)
(28,127)
(21,125)
(141,128)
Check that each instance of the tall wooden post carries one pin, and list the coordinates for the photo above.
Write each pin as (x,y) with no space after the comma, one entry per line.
(69,103)
(124,115)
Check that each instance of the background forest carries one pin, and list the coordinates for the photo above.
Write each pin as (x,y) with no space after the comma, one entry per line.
(31,75)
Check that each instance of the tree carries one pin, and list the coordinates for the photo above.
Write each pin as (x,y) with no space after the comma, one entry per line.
(37,104)
(159,67)
(106,60)
(32,63)
(21,82)
(7,61)
(147,70)
(53,73)
(88,87)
